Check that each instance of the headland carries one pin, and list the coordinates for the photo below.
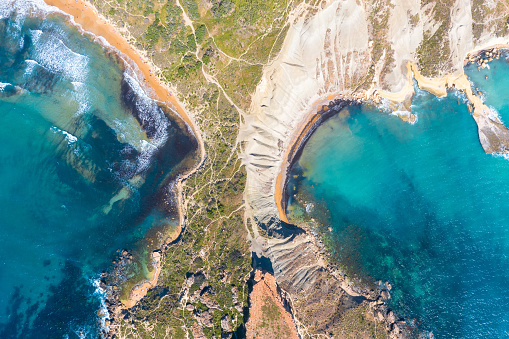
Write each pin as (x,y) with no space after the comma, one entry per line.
(348,47)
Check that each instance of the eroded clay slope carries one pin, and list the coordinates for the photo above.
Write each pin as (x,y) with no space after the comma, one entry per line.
(343,49)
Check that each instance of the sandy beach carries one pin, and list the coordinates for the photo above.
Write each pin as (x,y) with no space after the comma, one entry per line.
(140,290)
(91,21)
(301,131)
(435,86)
(314,118)
(439,86)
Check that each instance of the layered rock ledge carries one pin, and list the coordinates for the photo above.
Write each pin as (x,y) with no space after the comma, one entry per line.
(328,56)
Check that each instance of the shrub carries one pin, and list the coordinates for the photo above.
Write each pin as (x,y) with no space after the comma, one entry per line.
(200,33)
(221,8)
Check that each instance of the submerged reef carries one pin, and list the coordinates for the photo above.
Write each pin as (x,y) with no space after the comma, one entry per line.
(89,159)
(251,75)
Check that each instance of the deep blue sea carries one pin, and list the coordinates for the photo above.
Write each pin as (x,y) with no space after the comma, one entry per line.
(86,161)
(420,206)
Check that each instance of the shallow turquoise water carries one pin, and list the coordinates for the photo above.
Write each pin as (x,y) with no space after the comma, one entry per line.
(421,206)
(492,82)
(85,160)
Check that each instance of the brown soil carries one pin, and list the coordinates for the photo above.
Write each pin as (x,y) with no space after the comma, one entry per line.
(268,318)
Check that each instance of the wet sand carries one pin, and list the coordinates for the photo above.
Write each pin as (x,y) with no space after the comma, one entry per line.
(91,21)
(140,290)
(319,112)
(435,86)
(439,86)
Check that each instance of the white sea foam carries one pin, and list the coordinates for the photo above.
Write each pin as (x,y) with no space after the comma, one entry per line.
(149,111)
(145,157)
(36,34)
(53,54)
(81,95)
(126,134)
(406,114)
(38,8)
(501,155)
(103,310)
(461,95)
(493,114)
(3,85)
(384,105)
(81,332)
(25,8)
(30,66)
(309,207)
(15,30)
(71,139)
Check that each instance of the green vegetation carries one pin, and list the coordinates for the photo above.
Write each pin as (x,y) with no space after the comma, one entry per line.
(191,8)
(489,17)
(414,19)
(221,8)
(240,23)
(273,321)
(216,62)
(358,323)
(434,52)
(149,9)
(200,33)
(378,19)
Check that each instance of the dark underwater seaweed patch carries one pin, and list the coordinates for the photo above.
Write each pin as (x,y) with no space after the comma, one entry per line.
(67,309)
(86,147)
(131,100)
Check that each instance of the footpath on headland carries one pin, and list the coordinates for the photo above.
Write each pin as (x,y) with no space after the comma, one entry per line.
(85,15)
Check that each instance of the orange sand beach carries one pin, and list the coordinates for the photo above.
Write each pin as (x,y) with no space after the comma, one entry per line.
(91,21)
(87,16)
(435,86)
(439,86)
(304,129)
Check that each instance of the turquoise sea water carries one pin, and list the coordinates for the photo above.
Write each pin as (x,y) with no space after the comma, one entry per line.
(421,206)
(85,162)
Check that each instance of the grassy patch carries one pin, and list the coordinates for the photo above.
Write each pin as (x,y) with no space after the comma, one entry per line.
(434,53)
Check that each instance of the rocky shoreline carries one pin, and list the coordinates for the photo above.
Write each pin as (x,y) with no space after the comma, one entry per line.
(85,17)
(315,119)
(301,75)
(373,298)
(299,257)
(118,311)
(484,55)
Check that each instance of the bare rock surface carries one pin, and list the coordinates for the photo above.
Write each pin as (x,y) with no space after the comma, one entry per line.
(268,317)
(330,54)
